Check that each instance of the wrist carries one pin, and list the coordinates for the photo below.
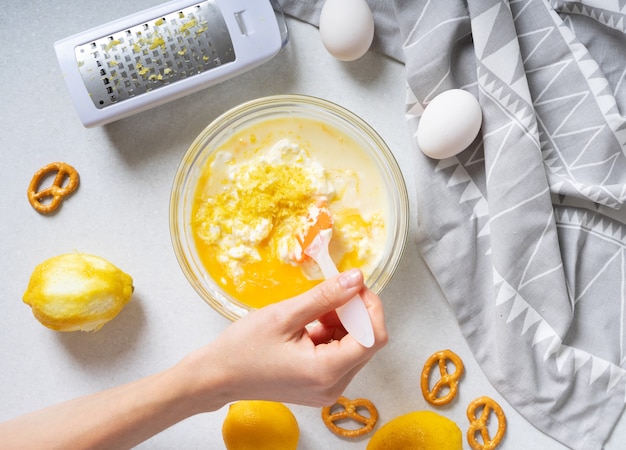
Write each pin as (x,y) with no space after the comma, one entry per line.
(202,383)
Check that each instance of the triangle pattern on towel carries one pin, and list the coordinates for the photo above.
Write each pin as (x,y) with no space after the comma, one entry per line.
(507,296)
(593,74)
(597,11)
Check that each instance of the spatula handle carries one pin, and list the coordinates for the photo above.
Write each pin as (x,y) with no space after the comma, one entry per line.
(353,315)
(356,320)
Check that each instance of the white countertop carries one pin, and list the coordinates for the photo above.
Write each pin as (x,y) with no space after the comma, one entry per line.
(120,212)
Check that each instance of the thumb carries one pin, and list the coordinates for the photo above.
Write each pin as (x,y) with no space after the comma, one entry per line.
(323,298)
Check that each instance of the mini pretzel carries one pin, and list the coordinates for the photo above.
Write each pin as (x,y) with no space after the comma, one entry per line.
(350,411)
(57,192)
(450,380)
(479,424)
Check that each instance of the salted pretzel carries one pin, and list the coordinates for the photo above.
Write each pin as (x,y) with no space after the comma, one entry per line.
(57,191)
(349,410)
(478,425)
(450,380)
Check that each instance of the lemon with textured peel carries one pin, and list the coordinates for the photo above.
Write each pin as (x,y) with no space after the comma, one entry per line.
(260,425)
(418,430)
(77,291)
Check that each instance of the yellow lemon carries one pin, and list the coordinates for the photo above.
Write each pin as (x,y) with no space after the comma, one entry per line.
(418,430)
(77,291)
(260,425)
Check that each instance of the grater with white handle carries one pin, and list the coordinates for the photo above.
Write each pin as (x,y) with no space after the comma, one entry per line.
(166,52)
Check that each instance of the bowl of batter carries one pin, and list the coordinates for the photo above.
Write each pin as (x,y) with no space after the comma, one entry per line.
(243,189)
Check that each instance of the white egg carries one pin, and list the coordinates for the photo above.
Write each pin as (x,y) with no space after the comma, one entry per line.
(346,28)
(450,122)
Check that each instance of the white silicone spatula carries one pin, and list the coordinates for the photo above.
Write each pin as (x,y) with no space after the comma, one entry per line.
(353,315)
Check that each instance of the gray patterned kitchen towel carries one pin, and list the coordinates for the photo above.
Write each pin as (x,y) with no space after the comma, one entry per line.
(527,235)
(525,230)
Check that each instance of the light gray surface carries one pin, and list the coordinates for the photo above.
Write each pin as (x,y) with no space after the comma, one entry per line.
(120,212)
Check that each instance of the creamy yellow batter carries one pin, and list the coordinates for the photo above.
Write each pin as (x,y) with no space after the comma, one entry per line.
(253,197)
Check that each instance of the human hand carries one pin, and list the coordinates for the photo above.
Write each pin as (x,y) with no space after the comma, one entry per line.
(271,355)
(268,355)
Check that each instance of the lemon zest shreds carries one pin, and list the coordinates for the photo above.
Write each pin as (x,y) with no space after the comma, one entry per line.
(263,193)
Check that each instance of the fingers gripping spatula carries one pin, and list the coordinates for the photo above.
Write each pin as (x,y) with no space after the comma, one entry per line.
(314,240)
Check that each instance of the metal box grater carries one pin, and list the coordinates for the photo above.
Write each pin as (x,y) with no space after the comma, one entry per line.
(166,52)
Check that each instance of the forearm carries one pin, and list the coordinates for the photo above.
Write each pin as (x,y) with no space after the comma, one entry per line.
(268,355)
(116,418)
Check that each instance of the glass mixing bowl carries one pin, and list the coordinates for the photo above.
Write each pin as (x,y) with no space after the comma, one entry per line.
(242,116)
